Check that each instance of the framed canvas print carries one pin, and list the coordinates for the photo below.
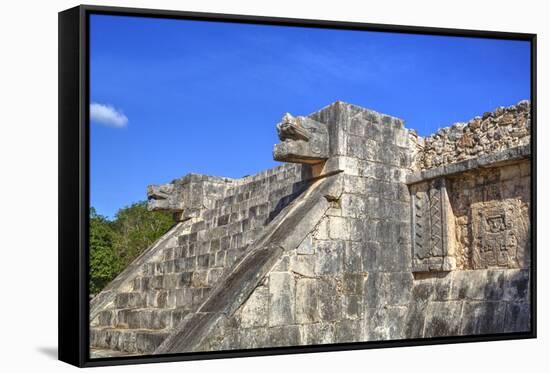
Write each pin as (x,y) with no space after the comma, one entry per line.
(237,185)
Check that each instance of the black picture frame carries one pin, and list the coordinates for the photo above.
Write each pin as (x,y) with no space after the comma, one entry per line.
(74,182)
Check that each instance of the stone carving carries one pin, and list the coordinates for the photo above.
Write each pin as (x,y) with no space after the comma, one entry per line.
(164,197)
(343,246)
(187,196)
(303,140)
(429,226)
(496,234)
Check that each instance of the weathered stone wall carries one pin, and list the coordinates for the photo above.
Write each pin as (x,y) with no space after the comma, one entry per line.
(504,128)
(379,235)
(352,279)
(177,279)
(491,211)
(468,302)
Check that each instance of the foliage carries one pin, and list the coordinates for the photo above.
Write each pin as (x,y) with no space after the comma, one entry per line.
(104,263)
(115,244)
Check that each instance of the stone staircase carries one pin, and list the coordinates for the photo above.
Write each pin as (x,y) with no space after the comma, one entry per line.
(147,304)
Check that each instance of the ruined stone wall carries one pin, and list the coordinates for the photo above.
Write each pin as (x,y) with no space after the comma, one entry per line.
(354,277)
(350,279)
(152,300)
(495,131)
(487,288)
(491,212)
(379,235)
(221,234)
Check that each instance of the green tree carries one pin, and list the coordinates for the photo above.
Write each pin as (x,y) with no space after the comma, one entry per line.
(115,244)
(104,263)
(136,229)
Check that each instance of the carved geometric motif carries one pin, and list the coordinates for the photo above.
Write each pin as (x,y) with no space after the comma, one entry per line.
(428,225)
(496,234)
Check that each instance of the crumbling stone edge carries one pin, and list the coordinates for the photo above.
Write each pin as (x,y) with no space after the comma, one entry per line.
(486,161)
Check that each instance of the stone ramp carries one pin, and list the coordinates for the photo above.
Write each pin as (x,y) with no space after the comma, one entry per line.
(285,232)
(137,311)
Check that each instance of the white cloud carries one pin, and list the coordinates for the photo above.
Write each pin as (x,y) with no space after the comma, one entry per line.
(107,115)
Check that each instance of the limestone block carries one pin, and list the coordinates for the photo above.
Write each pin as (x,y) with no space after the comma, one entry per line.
(384,323)
(353,205)
(494,289)
(516,285)
(518,317)
(442,286)
(353,283)
(283,264)
(357,229)
(399,287)
(302,265)
(306,247)
(330,305)
(483,317)
(306,301)
(281,299)
(348,331)
(388,289)
(371,253)
(416,317)
(339,228)
(353,260)
(468,285)
(395,257)
(253,338)
(354,184)
(254,312)
(352,306)
(130,300)
(214,275)
(329,257)
(443,319)
(318,333)
(283,336)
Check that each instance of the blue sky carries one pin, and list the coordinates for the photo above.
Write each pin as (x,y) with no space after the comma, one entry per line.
(172,97)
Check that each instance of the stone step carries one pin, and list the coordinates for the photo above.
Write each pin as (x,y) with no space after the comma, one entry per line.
(150,318)
(142,299)
(186,250)
(175,265)
(195,279)
(162,282)
(141,318)
(131,300)
(233,217)
(199,262)
(128,340)
(213,238)
(186,297)
(98,353)
(215,246)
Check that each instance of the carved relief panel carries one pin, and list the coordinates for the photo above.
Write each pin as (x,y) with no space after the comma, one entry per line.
(430,227)
(499,234)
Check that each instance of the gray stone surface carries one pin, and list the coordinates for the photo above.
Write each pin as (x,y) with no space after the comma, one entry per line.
(303,140)
(504,128)
(325,249)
